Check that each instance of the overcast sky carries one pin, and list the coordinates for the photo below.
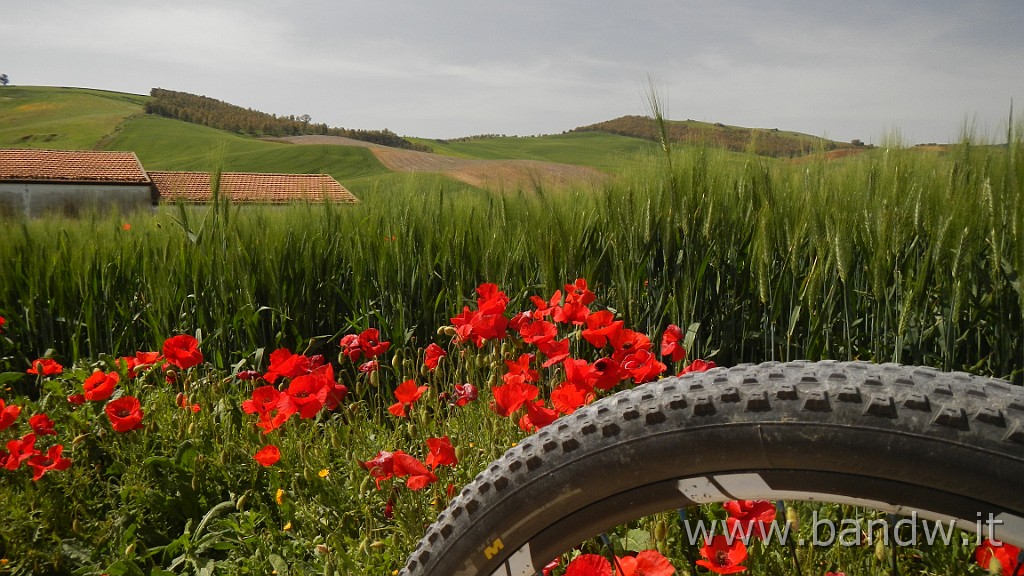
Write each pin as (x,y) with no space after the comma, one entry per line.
(441,69)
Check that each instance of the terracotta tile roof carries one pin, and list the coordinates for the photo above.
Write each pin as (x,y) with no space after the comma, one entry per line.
(253,187)
(71,166)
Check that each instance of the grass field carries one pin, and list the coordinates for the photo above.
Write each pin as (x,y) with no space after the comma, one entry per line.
(62,118)
(892,255)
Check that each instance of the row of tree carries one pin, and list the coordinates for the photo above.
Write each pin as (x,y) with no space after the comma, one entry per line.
(223,116)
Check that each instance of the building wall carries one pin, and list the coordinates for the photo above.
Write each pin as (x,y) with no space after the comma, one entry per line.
(38,198)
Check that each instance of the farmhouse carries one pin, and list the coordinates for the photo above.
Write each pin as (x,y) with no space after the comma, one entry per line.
(249,187)
(35,182)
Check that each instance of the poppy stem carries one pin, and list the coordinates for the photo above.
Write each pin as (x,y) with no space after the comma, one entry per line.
(611,552)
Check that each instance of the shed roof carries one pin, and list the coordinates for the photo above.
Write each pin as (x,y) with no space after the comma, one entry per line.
(253,187)
(71,166)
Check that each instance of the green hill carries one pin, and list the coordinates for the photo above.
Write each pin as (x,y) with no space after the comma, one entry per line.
(763,141)
(62,118)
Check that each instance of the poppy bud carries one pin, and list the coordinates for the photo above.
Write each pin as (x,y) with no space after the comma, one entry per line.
(408,366)
(364,486)
(660,531)
(396,362)
(129,551)
(449,330)
(195,483)
(307,474)
(880,550)
(424,371)
(375,378)
(241,502)
(792,518)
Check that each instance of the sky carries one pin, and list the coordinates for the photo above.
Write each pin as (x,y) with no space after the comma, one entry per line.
(913,71)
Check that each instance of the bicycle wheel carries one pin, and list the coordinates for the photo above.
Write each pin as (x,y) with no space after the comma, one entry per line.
(901,439)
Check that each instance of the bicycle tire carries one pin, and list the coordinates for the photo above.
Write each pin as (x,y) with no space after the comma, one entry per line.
(902,439)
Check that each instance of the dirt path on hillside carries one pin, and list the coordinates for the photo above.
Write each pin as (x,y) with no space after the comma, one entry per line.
(493,175)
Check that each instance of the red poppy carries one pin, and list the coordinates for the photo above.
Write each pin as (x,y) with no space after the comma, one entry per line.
(1005,554)
(52,460)
(589,565)
(369,366)
(248,374)
(538,332)
(268,455)
(601,326)
(21,449)
(571,313)
(749,518)
(306,395)
(407,393)
(546,307)
(578,292)
(510,396)
(642,366)
(465,393)
(672,343)
(141,361)
(76,399)
(550,566)
(370,343)
(418,475)
(42,425)
(432,355)
(125,414)
(45,367)
(442,453)
(555,351)
(8,414)
(521,367)
(2,322)
(646,563)
(537,416)
(182,351)
(568,397)
(267,403)
(698,365)
(381,467)
(721,557)
(284,363)
(99,387)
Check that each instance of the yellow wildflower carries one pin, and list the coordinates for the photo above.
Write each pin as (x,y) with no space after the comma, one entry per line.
(279,496)
(324,472)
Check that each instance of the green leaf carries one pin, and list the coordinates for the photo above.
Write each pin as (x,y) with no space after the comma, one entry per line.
(279,565)
(637,540)
(10,377)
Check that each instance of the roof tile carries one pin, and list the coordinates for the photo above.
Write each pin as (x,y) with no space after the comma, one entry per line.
(71,166)
(250,187)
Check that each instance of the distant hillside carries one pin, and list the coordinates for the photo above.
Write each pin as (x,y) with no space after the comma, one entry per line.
(231,118)
(766,142)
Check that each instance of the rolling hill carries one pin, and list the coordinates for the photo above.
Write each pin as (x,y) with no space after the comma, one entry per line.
(75,118)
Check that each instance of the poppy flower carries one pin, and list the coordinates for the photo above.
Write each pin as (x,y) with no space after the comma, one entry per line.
(268,455)
(76,399)
(601,326)
(555,351)
(407,393)
(642,366)
(182,401)
(589,565)
(1006,555)
(645,563)
(538,332)
(568,397)
(537,416)
(418,475)
(381,467)
(510,396)
(45,367)
(140,361)
(442,453)
(521,367)
(99,387)
(248,375)
(125,414)
(432,355)
(52,460)
(698,365)
(578,292)
(672,343)
(182,351)
(42,425)
(285,363)
(369,366)
(721,557)
(2,322)
(749,518)
(370,343)
(8,414)
(20,449)
(305,395)
(465,393)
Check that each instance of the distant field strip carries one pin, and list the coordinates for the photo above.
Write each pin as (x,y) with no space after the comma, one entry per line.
(494,175)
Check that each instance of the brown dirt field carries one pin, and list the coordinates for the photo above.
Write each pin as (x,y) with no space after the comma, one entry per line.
(493,175)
